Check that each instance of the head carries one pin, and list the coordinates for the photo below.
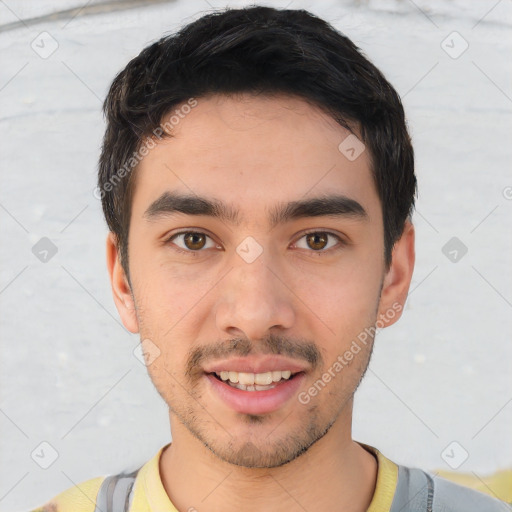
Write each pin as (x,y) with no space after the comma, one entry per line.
(257,179)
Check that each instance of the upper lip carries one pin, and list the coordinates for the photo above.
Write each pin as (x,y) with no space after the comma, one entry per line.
(255,364)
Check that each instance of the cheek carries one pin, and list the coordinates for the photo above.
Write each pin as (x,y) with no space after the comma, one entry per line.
(343,305)
(167,293)
(345,298)
(166,371)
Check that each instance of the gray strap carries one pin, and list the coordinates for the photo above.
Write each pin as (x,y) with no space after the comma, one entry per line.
(430,495)
(414,491)
(114,494)
(122,494)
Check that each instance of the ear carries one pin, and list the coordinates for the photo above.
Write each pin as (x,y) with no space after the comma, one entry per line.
(120,287)
(398,278)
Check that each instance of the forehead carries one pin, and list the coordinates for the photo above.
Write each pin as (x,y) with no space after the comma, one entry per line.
(253,152)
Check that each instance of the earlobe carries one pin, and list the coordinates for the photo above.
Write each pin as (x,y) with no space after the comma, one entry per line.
(398,278)
(120,287)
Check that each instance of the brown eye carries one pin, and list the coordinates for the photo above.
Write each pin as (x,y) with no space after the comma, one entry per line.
(317,241)
(194,241)
(320,241)
(191,241)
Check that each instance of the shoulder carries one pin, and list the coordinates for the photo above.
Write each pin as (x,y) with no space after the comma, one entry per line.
(101,492)
(79,498)
(450,496)
(418,490)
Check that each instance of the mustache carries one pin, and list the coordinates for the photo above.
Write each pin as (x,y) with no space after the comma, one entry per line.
(271,344)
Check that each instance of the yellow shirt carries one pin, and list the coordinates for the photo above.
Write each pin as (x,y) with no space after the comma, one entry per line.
(149,494)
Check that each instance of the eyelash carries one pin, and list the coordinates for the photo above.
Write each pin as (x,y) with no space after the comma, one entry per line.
(341,243)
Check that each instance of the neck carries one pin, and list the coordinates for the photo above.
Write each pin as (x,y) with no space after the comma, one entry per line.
(336,473)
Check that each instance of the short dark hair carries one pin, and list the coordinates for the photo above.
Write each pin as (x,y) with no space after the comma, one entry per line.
(260,50)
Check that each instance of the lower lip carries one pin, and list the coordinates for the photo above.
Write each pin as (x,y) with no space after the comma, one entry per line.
(256,402)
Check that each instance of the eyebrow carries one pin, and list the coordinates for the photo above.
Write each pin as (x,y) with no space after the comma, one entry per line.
(170,203)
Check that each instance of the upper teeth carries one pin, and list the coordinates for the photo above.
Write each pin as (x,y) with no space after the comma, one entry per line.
(248,379)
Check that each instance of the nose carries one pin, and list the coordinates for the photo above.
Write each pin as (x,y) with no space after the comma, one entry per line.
(254,298)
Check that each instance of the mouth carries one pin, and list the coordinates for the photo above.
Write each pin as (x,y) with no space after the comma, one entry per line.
(254,381)
(255,393)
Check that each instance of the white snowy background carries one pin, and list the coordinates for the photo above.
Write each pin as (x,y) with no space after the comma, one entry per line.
(68,373)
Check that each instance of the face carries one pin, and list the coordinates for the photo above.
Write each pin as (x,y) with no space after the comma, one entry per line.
(256,253)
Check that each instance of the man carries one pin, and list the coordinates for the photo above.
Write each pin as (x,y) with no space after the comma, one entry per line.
(258,180)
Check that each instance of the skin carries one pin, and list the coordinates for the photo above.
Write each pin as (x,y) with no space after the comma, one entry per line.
(253,152)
